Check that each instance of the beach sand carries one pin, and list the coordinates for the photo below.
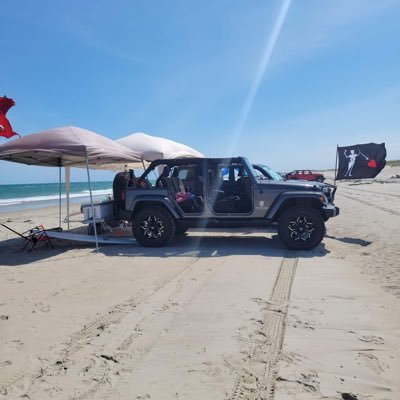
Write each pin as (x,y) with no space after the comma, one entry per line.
(215,315)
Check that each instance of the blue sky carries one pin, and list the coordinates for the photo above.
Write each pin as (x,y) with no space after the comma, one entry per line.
(281,82)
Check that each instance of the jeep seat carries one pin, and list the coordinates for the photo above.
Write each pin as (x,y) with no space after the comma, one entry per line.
(120,182)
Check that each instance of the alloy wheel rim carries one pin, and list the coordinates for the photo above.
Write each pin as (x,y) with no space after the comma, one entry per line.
(301,229)
(152,227)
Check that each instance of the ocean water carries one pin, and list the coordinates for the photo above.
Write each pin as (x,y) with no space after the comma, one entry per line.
(36,195)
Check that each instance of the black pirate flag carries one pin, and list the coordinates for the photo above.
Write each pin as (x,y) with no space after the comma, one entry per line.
(361,161)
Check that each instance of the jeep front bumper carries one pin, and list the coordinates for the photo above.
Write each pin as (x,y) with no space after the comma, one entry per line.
(331,211)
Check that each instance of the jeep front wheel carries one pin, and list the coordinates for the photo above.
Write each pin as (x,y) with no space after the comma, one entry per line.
(301,228)
(153,226)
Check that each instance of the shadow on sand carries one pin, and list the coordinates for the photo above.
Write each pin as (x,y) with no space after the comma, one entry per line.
(350,240)
(195,244)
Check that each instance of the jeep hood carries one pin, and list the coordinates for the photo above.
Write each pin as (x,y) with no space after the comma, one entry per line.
(293,185)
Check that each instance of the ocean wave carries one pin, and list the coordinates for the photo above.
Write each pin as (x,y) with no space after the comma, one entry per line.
(85,193)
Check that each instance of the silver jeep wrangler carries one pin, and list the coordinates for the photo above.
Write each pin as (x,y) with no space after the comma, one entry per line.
(172,196)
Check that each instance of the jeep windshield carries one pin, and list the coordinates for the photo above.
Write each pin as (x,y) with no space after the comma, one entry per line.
(265,172)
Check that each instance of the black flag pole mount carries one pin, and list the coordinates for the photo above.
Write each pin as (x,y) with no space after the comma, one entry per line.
(360,161)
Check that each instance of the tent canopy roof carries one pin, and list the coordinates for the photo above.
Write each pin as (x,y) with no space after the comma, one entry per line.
(151,148)
(67,146)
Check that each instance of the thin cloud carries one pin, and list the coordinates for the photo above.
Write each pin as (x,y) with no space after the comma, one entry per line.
(88,38)
(322,24)
(360,121)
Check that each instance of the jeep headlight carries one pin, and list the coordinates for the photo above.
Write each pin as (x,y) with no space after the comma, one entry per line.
(327,192)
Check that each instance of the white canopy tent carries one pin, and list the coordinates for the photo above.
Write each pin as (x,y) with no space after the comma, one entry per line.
(151,148)
(69,146)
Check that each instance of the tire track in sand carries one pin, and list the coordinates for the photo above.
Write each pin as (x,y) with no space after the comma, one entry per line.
(256,379)
(83,337)
(143,326)
(364,191)
(113,316)
(367,203)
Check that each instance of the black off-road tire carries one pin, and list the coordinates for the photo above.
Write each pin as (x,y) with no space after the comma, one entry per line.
(320,179)
(153,226)
(301,228)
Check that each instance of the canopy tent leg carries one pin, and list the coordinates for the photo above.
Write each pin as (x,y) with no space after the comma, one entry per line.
(59,197)
(91,202)
(67,188)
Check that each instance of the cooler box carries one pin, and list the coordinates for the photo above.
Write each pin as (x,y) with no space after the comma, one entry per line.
(102,211)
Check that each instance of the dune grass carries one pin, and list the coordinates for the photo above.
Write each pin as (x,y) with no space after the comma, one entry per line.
(393,163)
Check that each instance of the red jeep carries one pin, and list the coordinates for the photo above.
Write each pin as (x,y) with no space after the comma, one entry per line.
(305,174)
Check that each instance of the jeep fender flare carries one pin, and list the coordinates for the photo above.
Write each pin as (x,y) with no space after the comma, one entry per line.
(141,201)
(288,199)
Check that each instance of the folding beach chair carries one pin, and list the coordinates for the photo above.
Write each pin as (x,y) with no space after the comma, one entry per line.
(33,236)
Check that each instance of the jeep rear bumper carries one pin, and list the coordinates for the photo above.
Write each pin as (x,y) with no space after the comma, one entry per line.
(331,211)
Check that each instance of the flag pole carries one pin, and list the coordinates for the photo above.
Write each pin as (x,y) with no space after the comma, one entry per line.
(336,163)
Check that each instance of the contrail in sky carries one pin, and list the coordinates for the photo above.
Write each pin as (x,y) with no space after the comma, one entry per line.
(269,48)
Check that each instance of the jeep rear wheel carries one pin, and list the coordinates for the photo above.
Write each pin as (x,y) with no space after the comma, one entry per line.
(320,179)
(301,228)
(153,226)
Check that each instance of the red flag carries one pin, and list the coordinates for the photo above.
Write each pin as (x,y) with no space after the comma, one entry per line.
(5,126)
